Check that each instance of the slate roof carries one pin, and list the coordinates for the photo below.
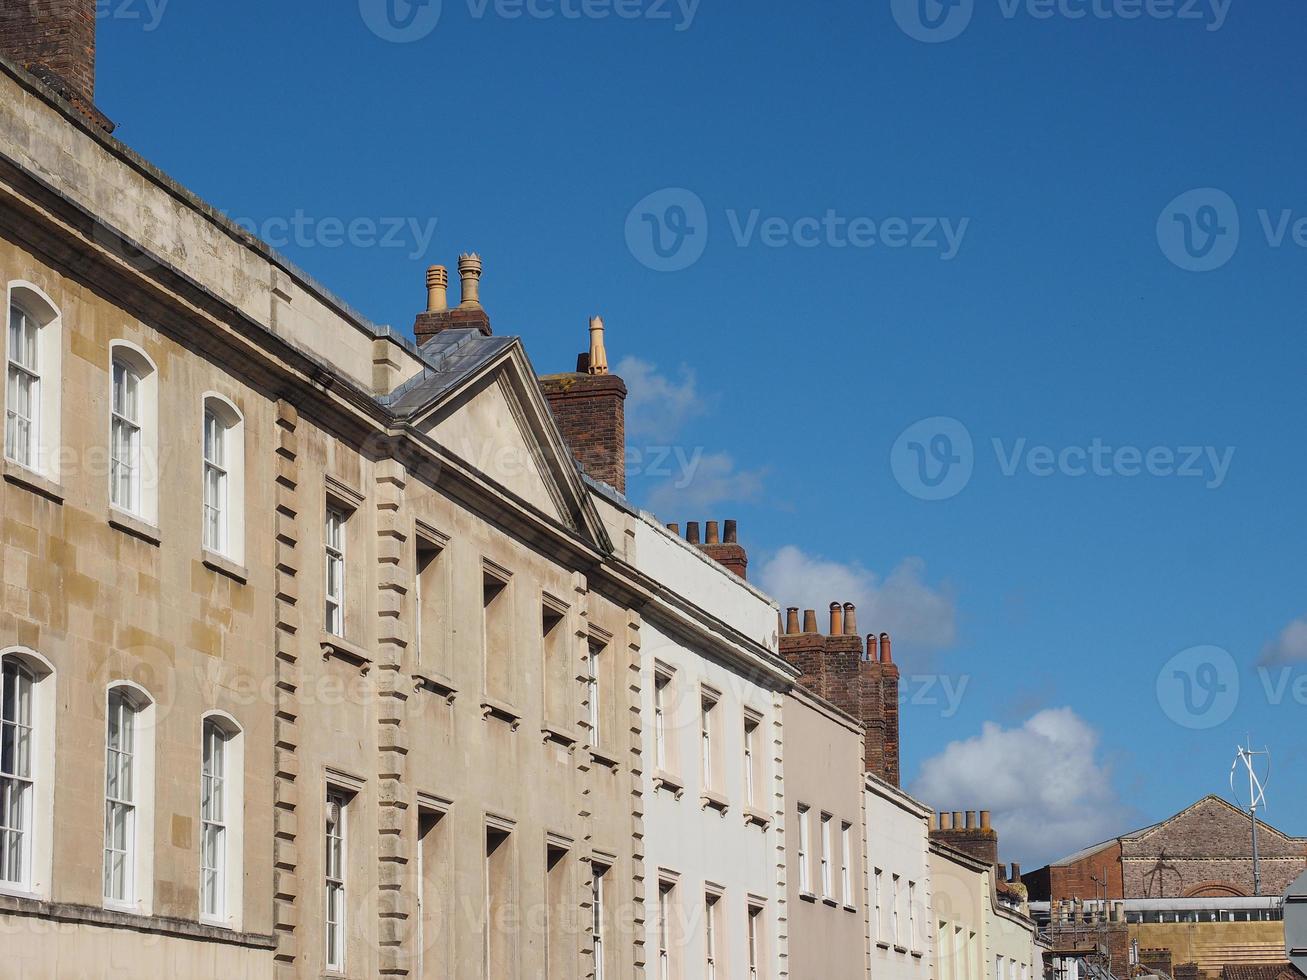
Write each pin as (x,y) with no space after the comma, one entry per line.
(450,357)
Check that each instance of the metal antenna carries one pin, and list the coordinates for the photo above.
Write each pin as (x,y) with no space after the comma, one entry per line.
(1246,757)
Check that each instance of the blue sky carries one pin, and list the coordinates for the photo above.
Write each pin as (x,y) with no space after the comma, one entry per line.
(787,356)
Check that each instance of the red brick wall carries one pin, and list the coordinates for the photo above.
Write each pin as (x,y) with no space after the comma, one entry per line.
(59,34)
(590,410)
(1076,880)
(833,667)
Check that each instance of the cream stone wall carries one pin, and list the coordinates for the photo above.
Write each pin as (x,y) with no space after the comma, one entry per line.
(106,599)
(958,901)
(897,844)
(1009,940)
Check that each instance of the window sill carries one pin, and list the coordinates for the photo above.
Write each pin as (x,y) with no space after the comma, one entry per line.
(121,520)
(882,945)
(756,818)
(215,562)
(564,736)
(901,949)
(830,903)
(113,918)
(501,710)
(669,783)
(437,684)
(342,649)
(850,908)
(716,801)
(602,758)
(21,476)
(808,897)
(917,954)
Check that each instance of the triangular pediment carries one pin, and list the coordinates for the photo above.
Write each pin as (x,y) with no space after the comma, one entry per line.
(492,417)
(1211,819)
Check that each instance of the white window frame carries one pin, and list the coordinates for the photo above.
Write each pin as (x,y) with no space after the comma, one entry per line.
(132,707)
(666,889)
(711,928)
(18,771)
(805,849)
(598,912)
(334,544)
(708,702)
(593,667)
(222,478)
(846,864)
(913,941)
(335,877)
(141,426)
(35,823)
(660,685)
(39,451)
(827,879)
(754,941)
(896,889)
(877,895)
(229,820)
(751,726)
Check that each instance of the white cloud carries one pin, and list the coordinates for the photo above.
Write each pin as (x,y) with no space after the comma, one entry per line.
(1289,647)
(918,616)
(703,481)
(657,407)
(1049,793)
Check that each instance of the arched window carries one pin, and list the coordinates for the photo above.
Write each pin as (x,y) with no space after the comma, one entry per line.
(32,380)
(224,478)
(26,772)
(128,798)
(133,432)
(221,821)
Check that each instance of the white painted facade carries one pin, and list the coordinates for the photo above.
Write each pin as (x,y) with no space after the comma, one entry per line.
(900,894)
(714,808)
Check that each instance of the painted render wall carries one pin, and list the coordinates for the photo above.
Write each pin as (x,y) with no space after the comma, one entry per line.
(897,844)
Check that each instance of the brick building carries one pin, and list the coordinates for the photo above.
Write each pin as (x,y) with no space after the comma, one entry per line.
(1181,888)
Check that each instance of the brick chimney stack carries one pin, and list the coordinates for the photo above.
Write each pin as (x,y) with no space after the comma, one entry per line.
(55,41)
(468,315)
(722,544)
(590,408)
(864,682)
(970,832)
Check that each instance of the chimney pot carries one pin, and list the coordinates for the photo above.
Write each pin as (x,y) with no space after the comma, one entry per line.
(598,360)
(873,648)
(732,532)
(1016,871)
(714,535)
(469,271)
(985,820)
(675,529)
(692,532)
(810,621)
(957,820)
(934,820)
(971,820)
(437,289)
(792,620)
(945,820)
(885,657)
(850,619)
(836,619)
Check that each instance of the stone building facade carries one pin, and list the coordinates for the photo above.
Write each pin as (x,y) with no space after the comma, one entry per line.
(286,598)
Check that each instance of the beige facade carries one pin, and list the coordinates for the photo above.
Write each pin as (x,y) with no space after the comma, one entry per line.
(823,777)
(423,774)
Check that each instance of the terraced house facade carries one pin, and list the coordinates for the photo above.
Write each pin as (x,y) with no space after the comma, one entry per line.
(328,652)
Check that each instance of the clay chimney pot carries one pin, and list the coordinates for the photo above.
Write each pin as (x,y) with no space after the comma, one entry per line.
(836,619)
